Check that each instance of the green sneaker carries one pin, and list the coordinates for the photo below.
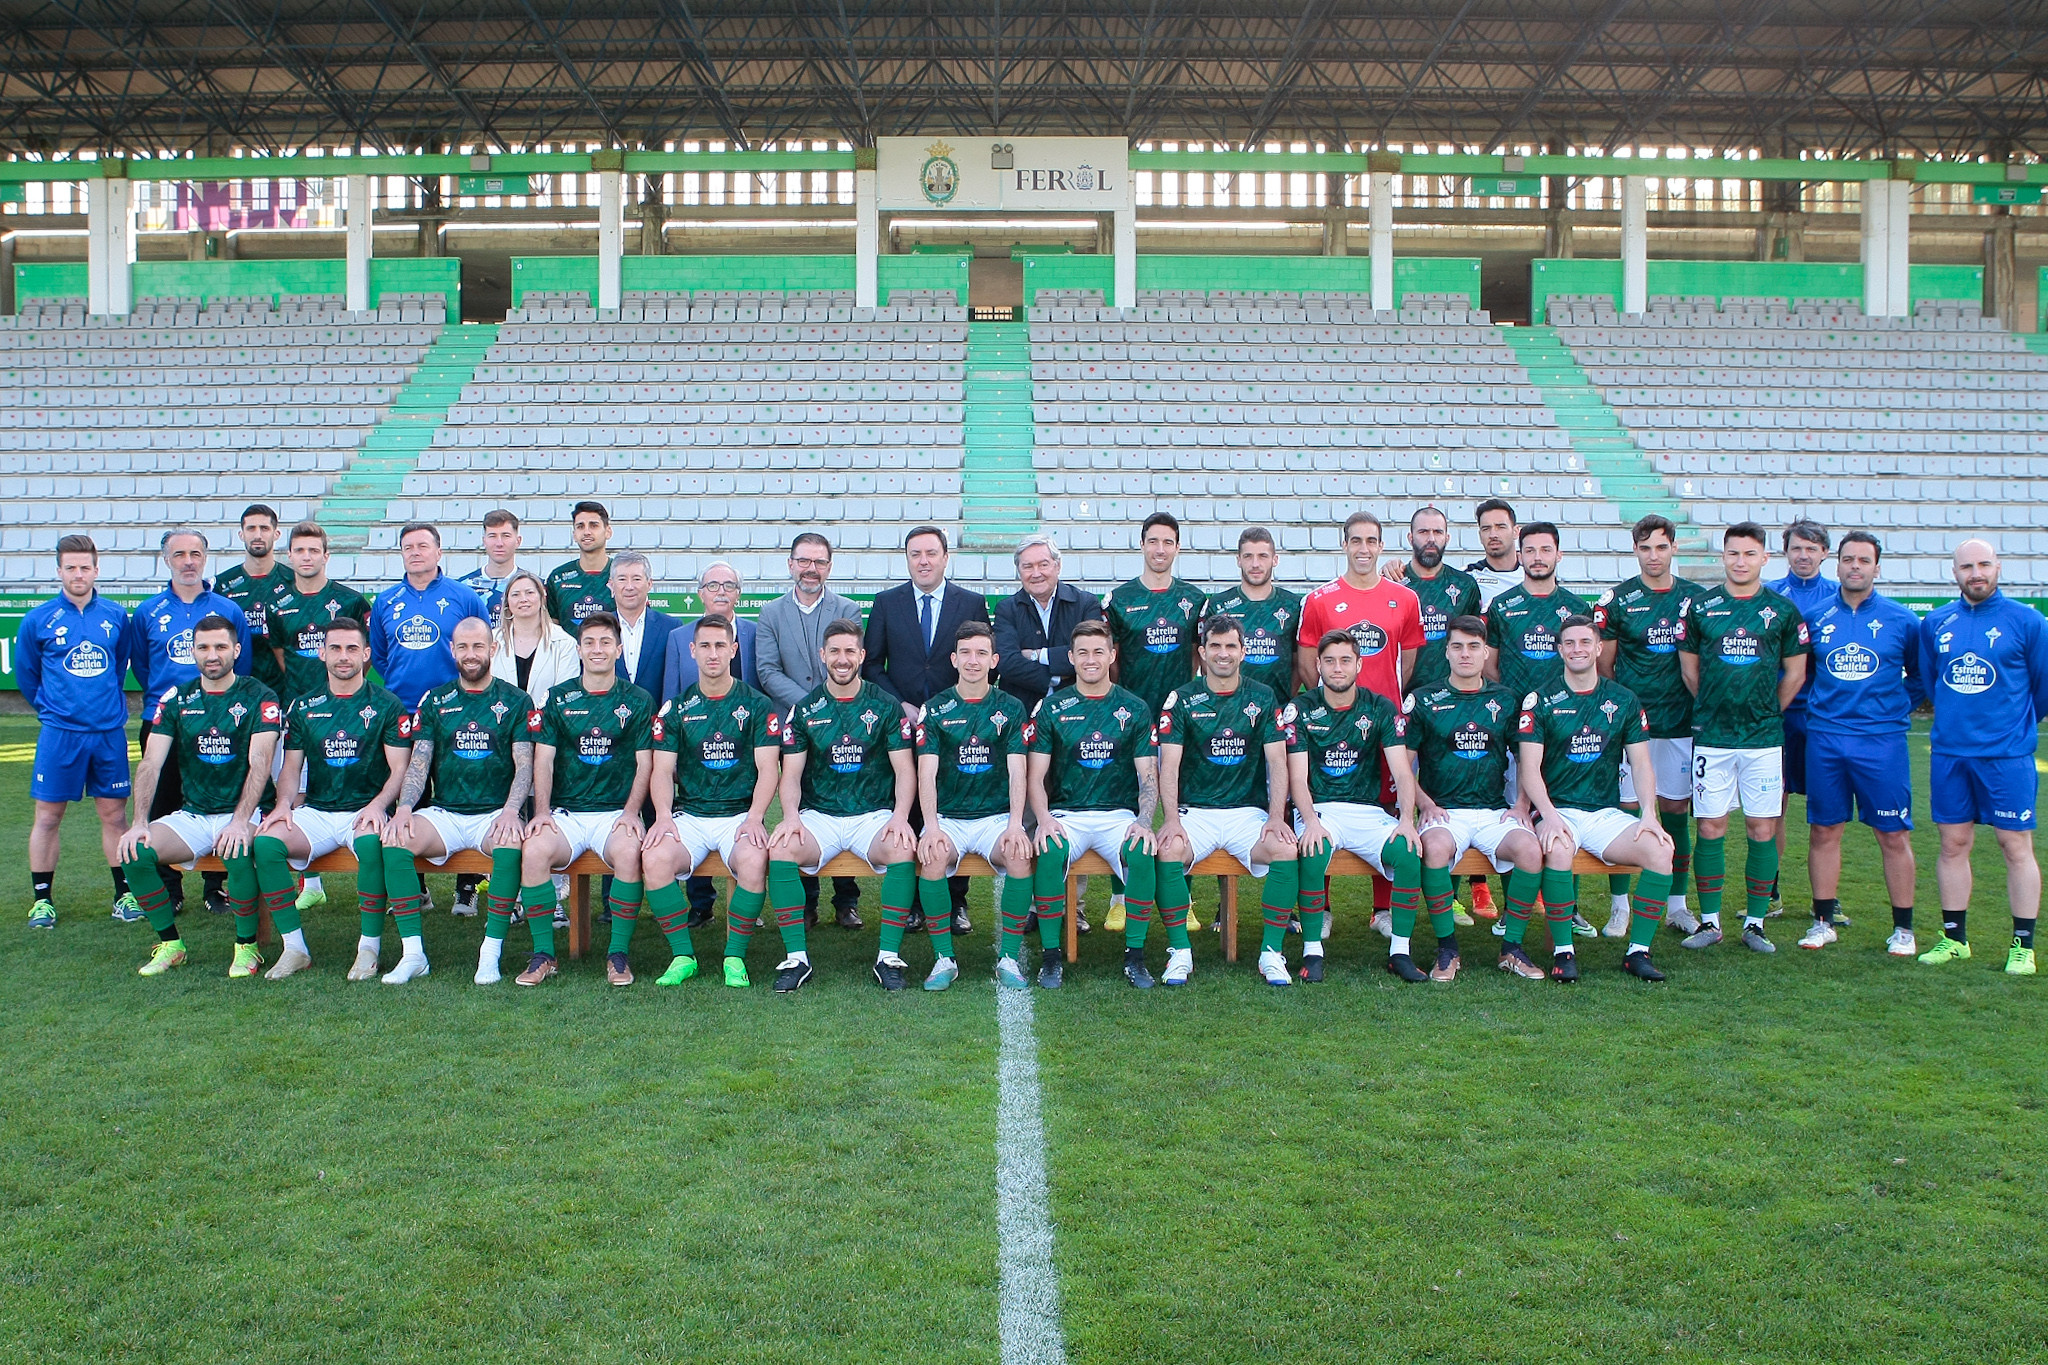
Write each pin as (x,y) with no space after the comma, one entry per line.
(163,957)
(1460,916)
(679,971)
(311,896)
(736,974)
(127,909)
(42,915)
(2019,961)
(247,959)
(1947,950)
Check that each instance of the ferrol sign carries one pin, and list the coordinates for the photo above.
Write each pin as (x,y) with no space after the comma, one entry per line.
(960,174)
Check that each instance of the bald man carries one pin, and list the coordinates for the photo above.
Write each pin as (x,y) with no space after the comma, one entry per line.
(1984,658)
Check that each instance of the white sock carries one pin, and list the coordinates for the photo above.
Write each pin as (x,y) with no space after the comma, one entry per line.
(1710,921)
(1616,904)
(800,956)
(1752,922)
(1397,946)
(413,946)
(1675,903)
(1563,952)
(313,884)
(295,942)
(492,950)
(366,944)
(1313,948)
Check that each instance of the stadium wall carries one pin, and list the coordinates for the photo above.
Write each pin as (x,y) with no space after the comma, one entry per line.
(578,274)
(247,279)
(1283,274)
(1791,280)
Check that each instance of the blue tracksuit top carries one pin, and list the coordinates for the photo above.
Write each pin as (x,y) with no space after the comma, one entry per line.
(409,634)
(1866,667)
(69,662)
(1810,595)
(1986,667)
(160,640)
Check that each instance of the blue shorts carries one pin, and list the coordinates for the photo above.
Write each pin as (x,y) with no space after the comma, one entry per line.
(1998,792)
(72,763)
(1796,756)
(1865,776)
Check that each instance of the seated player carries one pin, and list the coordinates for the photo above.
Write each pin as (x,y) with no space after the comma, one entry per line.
(970,775)
(593,743)
(470,742)
(1211,734)
(223,728)
(1334,748)
(1574,736)
(345,750)
(847,785)
(716,757)
(1462,733)
(1093,784)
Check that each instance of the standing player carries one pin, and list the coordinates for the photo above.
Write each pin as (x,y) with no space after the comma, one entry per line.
(1269,613)
(69,656)
(1574,737)
(583,585)
(501,560)
(1499,566)
(1335,747)
(1442,594)
(1743,654)
(716,757)
(1152,619)
(222,728)
(252,584)
(346,747)
(1866,683)
(1381,616)
(847,783)
(1639,627)
(1522,623)
(1985,657)
(592,754)
(470,740)
(970,778)
(1461,733)
(1094,784)
(1212,733)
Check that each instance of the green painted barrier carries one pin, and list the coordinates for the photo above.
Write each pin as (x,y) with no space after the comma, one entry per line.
(247,279)
(777,274)
(1280,274)
(1793,280)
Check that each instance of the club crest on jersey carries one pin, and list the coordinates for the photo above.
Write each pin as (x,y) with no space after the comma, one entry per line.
(622,711)
(368,713)
(498,710)
(997,721)
(237,711)
(1607,709)
(739,715)
(868,718)
(1187,608)
(1768,615)
(1991,635)
(1123,718)
(1251,711)
(1493,710)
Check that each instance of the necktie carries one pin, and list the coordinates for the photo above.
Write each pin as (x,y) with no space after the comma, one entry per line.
(924,621)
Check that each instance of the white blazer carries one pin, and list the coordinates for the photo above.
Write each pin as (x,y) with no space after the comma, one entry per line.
(553,660)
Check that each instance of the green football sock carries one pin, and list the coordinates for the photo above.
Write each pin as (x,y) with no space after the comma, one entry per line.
(371,898)
(1046,890)
(1521,890)
(1653,890)
(1617,883)
(742,918)
(786,898)
(503,897)
(624,903)
(1709,870)
(1173,903)
(243,895)
(1312,895)
(671,911)
(275,882)
(402,885)
(935,898)
(899,887)
(1277,897)
(540,914)
(1405,869)
(1438,894)
(1760,877)
(1678,825)
(1141,893)
(146,880)
(1560,903)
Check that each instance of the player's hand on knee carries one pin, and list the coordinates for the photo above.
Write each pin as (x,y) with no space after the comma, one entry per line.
(542,823)
(132,843)
(1049,833)
(1143,837)
(934,850)
(901,835)
(1015,845)
(507,831)
(397,832)
(369,820)
(664,827)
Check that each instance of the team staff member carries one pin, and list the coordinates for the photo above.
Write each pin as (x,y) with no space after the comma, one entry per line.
(252,584)
(1985,659)
(1805,587)
(583,585)
(1269,613)
(411,620)
(1866,683)
(69,656)
(1035,627)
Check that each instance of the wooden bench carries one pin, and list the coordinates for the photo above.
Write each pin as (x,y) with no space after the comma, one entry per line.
(1342,864)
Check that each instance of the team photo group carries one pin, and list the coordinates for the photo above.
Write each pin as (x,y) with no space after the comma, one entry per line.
(1431,723)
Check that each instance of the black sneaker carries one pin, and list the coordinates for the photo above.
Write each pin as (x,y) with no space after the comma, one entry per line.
(1052,971)
(1638,965)
(810,917)
(217,900)
(699,918)
(888,975)
(847,918)
(1312,967)
(962,924)
(1294,924)
(1403,966)
(915,924)
(1134,969)
(1081,924)
(1564,968)
(791,975)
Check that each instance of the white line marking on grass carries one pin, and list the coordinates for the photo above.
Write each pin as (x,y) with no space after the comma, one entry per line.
(1028,1285)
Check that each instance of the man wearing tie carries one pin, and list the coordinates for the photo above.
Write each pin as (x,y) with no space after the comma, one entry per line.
(910,635)
(643,631)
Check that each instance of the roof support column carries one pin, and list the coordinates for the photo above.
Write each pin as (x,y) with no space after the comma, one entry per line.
(611,237)
(356,188)
(110,245)
(1898,286)
(867,240)
(1380,207)
(1123,244)
(1635,244)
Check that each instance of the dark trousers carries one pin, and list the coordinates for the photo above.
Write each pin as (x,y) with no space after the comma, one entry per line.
(703,892)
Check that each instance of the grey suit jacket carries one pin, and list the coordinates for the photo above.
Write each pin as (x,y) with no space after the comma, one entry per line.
(787,640)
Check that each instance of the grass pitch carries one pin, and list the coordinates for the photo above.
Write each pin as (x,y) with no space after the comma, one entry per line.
(1828,1156)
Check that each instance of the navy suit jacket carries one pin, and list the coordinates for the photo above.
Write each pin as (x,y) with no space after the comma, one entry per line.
(653,653)
(898,661)
(681,669)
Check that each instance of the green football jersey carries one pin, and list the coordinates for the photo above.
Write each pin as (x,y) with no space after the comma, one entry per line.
(1094,744)
(210,734)
(298,626)
(846,747)
(1741,643)
(1270,631)
(1345,745)
(574,594)
(1154,633)
(595,736)
(1522,630)
(1222,738)
(714,741)
(343,739)
(973,741)
(1452,593)
(1644,627)
(253,596)
(1585,736)
(1462,741)
(472,734)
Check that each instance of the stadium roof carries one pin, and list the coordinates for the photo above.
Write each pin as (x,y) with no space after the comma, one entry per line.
(1916,76)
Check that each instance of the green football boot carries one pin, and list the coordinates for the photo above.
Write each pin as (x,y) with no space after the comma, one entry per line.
(1948,950)
(2019,960)
(736,973)
(163,957)
(679,971)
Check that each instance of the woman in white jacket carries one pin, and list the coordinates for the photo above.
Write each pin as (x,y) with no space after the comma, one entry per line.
(533,652)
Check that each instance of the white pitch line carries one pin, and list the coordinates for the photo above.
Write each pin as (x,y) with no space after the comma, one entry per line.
(1028,1284)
